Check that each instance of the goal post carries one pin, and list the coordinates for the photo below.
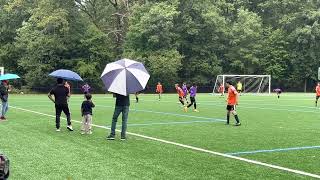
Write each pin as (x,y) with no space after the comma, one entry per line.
(250,83)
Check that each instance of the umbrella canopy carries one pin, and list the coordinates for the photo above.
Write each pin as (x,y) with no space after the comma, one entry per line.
(8,77)
(125,76)
(66,74)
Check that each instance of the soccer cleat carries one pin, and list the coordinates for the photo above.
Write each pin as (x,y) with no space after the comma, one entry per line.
(82,132)
(90,132)
(70,128)
(185,109)
(238,124)
(110,137)
(58,130)
(195,110)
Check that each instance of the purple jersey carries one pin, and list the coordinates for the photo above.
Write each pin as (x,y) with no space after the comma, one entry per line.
(86,88)
(185,90)
(193,91)
(277,90)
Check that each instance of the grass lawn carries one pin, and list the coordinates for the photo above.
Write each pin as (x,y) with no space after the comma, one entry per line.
(283,132)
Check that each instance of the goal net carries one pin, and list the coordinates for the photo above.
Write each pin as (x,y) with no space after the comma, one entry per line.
(249,83)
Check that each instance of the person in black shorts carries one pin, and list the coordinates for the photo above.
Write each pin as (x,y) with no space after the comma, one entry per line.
(60,99)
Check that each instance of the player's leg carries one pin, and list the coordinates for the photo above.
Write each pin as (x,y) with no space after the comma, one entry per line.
(194,104)
(186,99)
(234,112)
(181,100)
(192,101)
(317,97)
(228,114)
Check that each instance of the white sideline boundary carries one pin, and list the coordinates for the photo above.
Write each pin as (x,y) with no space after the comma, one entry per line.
(192,147)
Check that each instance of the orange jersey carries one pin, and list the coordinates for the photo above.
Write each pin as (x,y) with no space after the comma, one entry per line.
(159,88)
(232,96)
(180,92)
(318,90)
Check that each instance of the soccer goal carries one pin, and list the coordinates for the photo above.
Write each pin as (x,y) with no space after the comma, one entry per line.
(250,83)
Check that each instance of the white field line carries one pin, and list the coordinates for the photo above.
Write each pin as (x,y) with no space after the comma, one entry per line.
(194,148)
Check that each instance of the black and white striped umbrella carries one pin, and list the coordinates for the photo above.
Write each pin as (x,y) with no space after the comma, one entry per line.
(125,76)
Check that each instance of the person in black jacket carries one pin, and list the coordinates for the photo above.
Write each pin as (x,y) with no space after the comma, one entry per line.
(61,95)
(122,106)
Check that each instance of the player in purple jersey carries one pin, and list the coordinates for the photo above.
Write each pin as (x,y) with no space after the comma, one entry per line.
(193,93)
(185,91)
(278,91)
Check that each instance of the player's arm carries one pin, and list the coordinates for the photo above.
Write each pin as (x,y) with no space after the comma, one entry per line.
(237,96)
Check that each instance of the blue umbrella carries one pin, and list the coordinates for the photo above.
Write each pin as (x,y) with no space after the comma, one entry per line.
(8,77)
(66,74)
(125,76)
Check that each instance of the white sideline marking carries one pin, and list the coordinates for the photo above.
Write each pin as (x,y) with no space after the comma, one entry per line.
(193,148)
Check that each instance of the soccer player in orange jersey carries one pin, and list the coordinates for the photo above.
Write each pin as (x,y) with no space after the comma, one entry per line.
(317,93)
(159,90)
(181,95)
(232,101)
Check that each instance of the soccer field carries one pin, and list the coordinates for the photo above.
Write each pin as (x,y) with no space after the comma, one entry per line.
(165,142)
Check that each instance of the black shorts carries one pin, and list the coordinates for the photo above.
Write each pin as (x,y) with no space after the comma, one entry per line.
(231,107)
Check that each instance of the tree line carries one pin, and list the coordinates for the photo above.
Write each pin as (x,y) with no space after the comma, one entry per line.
(177,40)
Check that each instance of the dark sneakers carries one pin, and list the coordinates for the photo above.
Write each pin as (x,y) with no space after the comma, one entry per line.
(123,138)
(110,137)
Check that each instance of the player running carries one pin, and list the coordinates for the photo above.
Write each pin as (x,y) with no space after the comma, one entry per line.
(185,91)
(181,95)
(193,93)
(159,90)
(317,93)
(232,101)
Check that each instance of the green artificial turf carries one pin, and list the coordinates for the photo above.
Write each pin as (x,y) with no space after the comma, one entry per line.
(36,151)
